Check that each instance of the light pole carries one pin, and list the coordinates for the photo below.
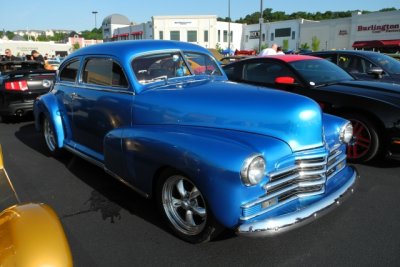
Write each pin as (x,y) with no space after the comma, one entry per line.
(95,18)
(261,22)
(229,27)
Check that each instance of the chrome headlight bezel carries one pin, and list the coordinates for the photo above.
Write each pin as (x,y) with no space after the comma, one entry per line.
(253,170)
(346,133)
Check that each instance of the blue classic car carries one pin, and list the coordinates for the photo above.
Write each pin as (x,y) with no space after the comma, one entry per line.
(161,117)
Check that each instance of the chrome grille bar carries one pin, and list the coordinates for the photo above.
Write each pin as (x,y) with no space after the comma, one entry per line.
(306,177)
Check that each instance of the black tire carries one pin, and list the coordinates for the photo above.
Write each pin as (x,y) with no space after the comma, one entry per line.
(49,137)
(366,143)
(184,209)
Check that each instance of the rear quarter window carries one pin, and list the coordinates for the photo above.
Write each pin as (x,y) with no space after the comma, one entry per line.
(70,72)
(105,72)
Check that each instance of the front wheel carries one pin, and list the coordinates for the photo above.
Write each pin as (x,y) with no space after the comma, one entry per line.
(365,144)
(185,210)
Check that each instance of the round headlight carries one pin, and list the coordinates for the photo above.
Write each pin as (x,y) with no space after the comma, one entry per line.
(253,170)
(346,133)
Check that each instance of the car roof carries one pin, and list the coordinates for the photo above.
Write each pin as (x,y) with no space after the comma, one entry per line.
(292,58)
(354,52)
(135,47)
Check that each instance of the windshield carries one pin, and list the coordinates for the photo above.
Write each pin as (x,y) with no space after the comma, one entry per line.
(320,71)
(386,62)
(163,66)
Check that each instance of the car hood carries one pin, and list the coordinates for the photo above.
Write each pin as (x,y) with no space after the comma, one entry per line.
(292,118)
(387,92)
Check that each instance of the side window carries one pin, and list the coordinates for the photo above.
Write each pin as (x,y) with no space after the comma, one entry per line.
(70,72)
(104,71)
(264,72)
(354,64)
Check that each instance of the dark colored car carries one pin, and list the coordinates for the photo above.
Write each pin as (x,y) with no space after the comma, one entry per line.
(364,65)
(373,107)
(20,83)
(162,117)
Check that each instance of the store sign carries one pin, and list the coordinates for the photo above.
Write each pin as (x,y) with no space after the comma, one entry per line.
(183,22)
(379,28)
(343,32)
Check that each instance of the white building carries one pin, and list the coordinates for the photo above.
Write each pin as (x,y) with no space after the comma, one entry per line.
(204,30)
(373,31)
(283,33)
(377,30)
(22,48)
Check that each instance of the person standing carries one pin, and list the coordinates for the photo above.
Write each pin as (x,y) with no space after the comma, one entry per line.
(279,51)
(9,56)
(269,51)
(35,55)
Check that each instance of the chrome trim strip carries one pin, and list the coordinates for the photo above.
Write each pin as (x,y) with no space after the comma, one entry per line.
(286,222)
(84,156)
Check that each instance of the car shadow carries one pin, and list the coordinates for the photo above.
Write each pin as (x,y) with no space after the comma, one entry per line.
(15,119)
(109,196)
(385,163)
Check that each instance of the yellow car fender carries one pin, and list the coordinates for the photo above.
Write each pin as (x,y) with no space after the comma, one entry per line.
(31,235)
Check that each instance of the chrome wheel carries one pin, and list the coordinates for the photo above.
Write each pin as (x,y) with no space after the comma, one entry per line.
(184,205)
(365,144)
(361,143)
(49,135)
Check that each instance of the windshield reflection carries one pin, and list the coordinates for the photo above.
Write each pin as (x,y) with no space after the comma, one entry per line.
(319,72)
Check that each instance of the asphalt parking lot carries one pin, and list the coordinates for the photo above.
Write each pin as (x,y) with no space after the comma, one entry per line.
(107,224)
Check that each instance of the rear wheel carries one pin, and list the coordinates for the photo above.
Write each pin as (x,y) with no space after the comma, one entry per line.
(184,208)
(49,136)
(365,144)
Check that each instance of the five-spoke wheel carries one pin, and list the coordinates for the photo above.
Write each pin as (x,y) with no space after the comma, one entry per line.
(185,209)
(365,144)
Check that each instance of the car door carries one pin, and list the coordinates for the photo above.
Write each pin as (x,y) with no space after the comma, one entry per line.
(101,102)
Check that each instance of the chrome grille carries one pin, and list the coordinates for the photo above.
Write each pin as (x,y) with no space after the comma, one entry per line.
(306,176)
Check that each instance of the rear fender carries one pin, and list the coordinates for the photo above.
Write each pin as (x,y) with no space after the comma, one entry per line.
(46,105)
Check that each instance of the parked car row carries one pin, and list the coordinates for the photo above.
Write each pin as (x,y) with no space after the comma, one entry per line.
(364,65)
(163,118)
(372,107)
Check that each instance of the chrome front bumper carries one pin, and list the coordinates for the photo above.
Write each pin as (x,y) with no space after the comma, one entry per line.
(280,224)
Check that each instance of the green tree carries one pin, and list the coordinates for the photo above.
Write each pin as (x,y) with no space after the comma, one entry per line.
(285,45)
(315,42)
(42,38)
(94,34)
(304,46)
(76,46)
(10,35)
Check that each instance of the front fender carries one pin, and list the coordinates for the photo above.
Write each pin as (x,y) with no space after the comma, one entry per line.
(46,105)
(211,158)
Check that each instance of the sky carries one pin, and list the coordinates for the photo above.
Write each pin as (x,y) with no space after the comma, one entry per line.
(77,14)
